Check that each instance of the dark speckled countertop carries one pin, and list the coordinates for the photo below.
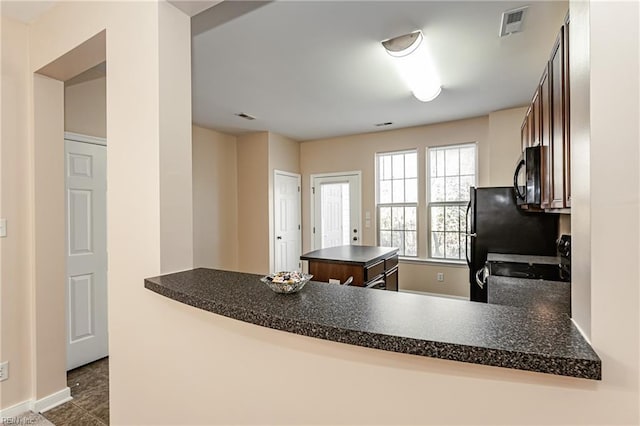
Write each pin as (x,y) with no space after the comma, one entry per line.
(457,330)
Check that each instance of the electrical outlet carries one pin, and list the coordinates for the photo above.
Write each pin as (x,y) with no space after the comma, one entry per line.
(4,371)
(3,228)
(440,276)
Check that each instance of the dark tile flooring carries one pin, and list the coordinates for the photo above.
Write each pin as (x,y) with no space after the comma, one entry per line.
(90,391)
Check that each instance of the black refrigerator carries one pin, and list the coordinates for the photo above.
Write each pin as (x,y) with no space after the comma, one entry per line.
(495,224)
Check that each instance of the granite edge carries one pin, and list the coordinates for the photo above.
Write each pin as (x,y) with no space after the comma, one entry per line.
(562,366)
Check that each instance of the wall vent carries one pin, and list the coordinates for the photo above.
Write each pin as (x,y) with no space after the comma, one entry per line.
(245,116)
(512,21)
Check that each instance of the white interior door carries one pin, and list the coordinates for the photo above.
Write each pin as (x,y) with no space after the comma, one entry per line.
(86,289)
(286,229)
(336,209)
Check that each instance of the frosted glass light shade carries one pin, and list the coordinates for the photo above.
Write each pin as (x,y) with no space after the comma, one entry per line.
(414,64)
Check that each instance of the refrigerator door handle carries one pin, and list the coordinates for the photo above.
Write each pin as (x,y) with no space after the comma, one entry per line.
(467,235)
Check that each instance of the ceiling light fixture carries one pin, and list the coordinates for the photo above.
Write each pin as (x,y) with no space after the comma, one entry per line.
(413,61)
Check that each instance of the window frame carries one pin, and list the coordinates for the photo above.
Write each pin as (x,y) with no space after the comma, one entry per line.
(429,204)
(405,204)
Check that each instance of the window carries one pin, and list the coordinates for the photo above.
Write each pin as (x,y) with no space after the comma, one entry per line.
(397,201)
(452,170)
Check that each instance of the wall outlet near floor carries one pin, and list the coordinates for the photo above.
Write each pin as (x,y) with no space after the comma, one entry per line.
(440,276)
(4,371)
(3,228)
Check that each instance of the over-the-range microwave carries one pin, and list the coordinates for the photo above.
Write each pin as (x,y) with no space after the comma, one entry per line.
(527,177)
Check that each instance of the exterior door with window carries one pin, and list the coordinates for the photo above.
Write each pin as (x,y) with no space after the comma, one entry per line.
(336,210)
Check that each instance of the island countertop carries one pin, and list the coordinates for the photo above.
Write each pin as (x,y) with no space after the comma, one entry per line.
(457,330)
(350,254)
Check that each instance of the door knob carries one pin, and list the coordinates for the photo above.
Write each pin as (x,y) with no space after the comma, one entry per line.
(355,231)
(355,238)
(278,237)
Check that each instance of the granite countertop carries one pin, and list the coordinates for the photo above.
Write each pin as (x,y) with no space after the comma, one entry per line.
(537,295)
(457,330)
(350,254)
(523,258)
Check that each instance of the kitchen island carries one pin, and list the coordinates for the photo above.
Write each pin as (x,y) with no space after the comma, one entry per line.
(456,330)
(366,265)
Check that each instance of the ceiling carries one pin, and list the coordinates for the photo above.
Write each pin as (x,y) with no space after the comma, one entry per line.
(316,69)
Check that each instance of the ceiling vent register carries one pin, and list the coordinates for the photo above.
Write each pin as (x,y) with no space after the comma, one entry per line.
(512,21)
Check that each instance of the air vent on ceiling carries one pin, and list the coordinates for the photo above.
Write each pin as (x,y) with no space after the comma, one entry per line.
(386,123)
(512,21)
(245,116)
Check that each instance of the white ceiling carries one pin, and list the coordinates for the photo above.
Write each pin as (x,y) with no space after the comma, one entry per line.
(316,69)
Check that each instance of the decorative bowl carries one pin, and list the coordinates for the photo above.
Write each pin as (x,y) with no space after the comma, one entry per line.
(286,282)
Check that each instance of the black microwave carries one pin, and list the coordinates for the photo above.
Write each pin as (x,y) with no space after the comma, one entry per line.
(527,177)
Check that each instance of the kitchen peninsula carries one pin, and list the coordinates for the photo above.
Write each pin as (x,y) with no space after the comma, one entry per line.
(456,330)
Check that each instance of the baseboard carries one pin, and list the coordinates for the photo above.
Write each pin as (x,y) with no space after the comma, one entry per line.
(14,411)
(426,293)
(39,406)
(52,401)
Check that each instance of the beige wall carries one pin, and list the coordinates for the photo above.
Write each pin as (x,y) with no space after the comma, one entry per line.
(138,35)
(16,292)
(85,107)
(49,229)
(504,144)
(581,203)
(253,203)
(215,200)
(176,175)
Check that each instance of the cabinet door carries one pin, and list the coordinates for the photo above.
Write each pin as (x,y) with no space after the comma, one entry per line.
(525,131)
(567,122)
(535,121)
(545,138)
(556,74)
(391,279)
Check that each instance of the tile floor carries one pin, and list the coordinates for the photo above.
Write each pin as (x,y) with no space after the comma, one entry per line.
(90,391)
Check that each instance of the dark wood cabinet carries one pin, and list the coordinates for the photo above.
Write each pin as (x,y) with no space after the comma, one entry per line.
(525,130)
(366,264)
(556,72)
(545,139)
(546,123)
(567,115)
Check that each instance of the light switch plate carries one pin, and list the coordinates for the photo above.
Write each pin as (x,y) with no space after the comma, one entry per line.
(4,371)
(3,228)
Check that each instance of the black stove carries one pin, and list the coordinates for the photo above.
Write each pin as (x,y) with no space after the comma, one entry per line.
(560,271)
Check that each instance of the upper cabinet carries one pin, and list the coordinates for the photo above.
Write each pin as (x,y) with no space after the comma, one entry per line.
(547,124)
